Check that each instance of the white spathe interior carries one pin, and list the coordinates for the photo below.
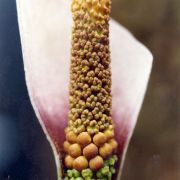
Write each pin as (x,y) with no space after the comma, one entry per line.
(45,30)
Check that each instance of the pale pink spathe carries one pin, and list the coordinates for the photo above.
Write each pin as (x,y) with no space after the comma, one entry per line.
(45,30)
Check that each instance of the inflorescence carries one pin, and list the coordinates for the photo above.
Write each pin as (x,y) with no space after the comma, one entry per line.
(90,145)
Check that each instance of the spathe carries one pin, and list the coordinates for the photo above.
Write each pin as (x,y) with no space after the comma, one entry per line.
(45,28)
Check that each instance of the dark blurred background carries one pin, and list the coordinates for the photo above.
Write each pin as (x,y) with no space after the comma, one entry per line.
(25,153)
(154,152)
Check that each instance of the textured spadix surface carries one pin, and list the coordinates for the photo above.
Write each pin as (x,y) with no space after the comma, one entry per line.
(45,29)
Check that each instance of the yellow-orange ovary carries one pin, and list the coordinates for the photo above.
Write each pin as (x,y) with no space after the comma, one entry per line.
(71,137)
(80,163)
(66,146)
(96,163)
(90,151)
(74,150)
(69,161)
(105,150)
(113,143)
(99,139)
(84,139)
(109,133)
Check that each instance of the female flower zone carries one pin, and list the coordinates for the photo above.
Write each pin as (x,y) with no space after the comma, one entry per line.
(88,113)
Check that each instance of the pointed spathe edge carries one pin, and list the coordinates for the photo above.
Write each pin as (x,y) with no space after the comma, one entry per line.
(138,108)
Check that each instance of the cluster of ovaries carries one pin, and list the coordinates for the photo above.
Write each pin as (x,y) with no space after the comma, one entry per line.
(90,146)
(92,153)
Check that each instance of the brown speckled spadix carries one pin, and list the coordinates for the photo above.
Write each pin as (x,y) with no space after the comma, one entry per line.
(90,132)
